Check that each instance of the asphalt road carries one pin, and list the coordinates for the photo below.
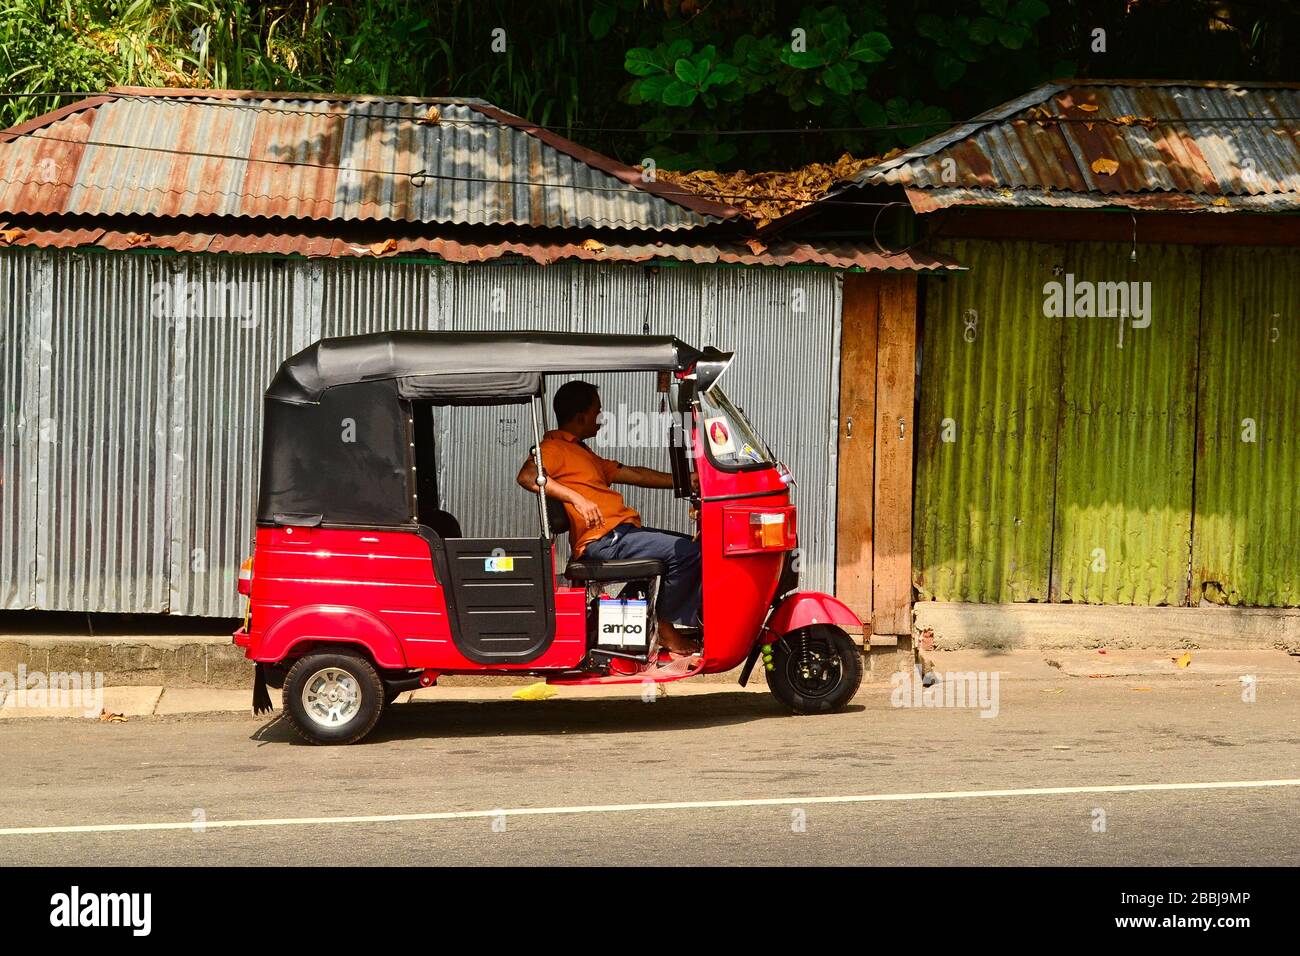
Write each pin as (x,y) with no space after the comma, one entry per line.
(726,746)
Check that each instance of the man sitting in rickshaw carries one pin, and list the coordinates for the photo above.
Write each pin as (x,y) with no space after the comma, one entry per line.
(602,526)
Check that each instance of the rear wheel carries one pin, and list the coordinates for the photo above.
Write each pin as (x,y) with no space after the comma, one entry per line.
(333,697)
(815,670)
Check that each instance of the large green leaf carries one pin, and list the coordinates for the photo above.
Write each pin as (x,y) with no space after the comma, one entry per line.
(948,69)
(687,72)
(652,88)
(836,78)
(870,48)
(601,20)
(677,93)
(1013,35)
(721,75)
(806,60)
(984,30)
(642,62)
(870,113)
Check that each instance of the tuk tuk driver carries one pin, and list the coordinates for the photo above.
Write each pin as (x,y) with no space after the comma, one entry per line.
(602,526)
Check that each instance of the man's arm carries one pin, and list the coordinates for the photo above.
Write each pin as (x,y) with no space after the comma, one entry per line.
(642,477)
(527,479)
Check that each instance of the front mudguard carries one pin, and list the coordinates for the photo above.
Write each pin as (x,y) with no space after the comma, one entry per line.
(796,611)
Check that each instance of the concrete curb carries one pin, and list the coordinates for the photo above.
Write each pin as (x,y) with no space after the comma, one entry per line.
(1081,626)
(1076,668)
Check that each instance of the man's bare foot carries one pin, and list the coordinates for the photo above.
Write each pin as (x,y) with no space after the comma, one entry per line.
(674,642)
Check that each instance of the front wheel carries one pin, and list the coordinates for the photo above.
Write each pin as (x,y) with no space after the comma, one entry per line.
(815,670)
(333,697)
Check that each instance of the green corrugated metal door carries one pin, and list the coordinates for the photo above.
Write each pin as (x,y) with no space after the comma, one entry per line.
(986,432)
(1247,533)
(1127,434)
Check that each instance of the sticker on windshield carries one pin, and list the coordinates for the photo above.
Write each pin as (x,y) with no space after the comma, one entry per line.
(719,436)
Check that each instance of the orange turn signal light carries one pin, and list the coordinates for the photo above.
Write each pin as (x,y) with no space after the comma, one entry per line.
(767,530)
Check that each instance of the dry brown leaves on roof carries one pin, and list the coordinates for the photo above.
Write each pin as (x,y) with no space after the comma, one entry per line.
(764,197)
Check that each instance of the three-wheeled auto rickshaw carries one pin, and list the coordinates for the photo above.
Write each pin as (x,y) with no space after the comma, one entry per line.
(361,585)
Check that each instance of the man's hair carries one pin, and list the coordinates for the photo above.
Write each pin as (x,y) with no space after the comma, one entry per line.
(572,399)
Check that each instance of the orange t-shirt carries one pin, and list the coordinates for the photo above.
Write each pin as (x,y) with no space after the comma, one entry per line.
(576,466)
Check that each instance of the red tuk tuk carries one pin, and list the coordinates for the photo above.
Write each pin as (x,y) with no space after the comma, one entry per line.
(361,586)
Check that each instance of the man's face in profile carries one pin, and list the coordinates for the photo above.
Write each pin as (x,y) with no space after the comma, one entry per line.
(588,423)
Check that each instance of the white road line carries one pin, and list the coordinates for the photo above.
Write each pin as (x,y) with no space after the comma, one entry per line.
(630,807)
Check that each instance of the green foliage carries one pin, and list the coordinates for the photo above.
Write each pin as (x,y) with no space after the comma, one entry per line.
(637,78)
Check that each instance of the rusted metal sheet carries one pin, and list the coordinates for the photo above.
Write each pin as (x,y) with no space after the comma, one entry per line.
(188,153)
(986,438)
(1123,494)
(1169,140)
(1246,541)
(175,237)
(931,200)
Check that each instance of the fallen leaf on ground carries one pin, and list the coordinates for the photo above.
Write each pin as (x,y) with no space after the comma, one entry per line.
(135,238)
(107,717)
(539,691)
(431,118)
(756,247)
(1101,650)
(380,248)
(1101,675)
(593,245)
(9,235)
(1221,201)
(1050,663)
(1183,661)
(1141,688)
(1104,166)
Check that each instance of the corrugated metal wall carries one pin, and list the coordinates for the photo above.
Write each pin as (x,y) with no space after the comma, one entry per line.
(1247,539)
(102,522)
(24,282)
(235,326)
(146,373)
(1074,453)
(987,432)
(1128,432)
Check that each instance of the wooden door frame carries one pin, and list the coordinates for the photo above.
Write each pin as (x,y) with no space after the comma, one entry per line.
(873,531)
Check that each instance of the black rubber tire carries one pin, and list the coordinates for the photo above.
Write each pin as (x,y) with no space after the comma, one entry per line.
(372,697)
(785,658)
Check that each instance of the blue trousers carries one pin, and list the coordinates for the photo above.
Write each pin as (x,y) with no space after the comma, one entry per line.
(680,590)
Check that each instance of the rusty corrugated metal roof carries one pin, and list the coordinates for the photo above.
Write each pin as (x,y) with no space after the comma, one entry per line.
(178,153)
(188,238)
(1174,145)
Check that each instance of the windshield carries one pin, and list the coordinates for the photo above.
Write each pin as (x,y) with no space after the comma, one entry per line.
(732,440)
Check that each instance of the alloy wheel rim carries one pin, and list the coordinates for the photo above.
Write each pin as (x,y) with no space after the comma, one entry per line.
(331,697)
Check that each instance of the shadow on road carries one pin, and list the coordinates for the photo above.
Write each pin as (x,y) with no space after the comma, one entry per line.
(426,719)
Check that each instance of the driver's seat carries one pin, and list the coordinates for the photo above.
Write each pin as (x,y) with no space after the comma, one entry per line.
(587,570)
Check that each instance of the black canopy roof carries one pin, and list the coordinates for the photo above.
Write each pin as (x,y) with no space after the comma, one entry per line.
(457,365)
